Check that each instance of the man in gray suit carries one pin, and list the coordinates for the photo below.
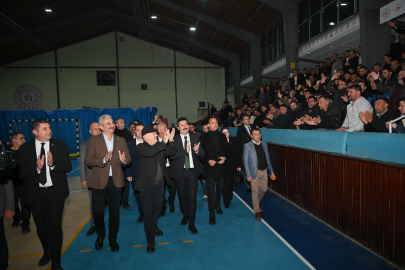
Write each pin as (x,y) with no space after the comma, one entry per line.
(85,170)
(7,209)
(256,160)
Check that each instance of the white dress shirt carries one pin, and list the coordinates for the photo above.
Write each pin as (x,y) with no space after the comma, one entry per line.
(189,152)
(353,121)
(167,160)
(110,146)
(138,142)
(38,146)
(247,128)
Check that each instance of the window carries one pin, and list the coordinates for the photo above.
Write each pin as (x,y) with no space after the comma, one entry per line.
(245,64)
(273,48)
(317,16)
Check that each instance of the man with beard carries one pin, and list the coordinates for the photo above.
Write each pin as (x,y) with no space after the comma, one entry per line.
(357,104)
(282,121)
(329,117)
(382,114)
(338,93)
(395,91)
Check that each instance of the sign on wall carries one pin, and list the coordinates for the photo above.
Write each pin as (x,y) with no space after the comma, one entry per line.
(28,97)
(392,10)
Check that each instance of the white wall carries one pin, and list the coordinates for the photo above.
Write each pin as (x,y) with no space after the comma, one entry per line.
(139,64)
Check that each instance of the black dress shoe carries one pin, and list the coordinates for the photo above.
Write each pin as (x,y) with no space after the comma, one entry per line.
(140,219)
(151,247)
(99,243)
(126,205)
(171,206)
(56,266)
(212,219)
(91,231)
(15,224)
(114,245)
(219,210)
(193,229)
(158,232)
(26,230)
(162,213)
(45,259)
(249,190)
(226,206)
(184,220)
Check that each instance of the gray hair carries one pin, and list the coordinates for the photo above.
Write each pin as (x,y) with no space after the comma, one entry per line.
(160,124)
(100,119)
(326,99)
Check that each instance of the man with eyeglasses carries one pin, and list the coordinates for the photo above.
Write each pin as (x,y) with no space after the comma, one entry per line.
(22,215)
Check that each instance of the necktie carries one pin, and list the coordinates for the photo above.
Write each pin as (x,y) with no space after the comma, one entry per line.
(42,175)
(250,132)
(186,158)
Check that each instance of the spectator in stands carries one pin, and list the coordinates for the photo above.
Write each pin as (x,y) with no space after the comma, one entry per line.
(382,114)
(329,117)
(363,73)
(213,110)
(388,80)
(354,79)
(296,79)
(270,93)
(366,92)
(359,54)
(395,91)
(158,119)
(244,132)
(396,68)
(261,120)
(223,113)
(264,98)
(305,74)
(338,93)
(284,83)
(136,121)
(400,45)
(377,68)
(205,127)
(387,61)
(296,113)
(347,77)
(238,118)
(230,119)
(328,67)
(273,113)
(282,121)
(399,127)
(357,104)
(154,125)
(131,127)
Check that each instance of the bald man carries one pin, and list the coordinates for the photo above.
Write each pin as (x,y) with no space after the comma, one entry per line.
(85,170)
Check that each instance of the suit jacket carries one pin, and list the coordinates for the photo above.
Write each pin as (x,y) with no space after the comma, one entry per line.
(148,157)
(177,160)
(27,160)
(96,151)
(85,170)
(300,81)
(250,161)
(132,170)
(243,136)
(6,197)
(218,170)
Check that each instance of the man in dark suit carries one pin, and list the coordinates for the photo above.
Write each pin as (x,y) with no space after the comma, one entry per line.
(44,163)
(244,132)
(296,79)
(131,172)
(106,154)
(152,171)
(185,169)
(85,171)
(216,152)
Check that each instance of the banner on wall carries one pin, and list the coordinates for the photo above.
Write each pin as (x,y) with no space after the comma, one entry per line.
(392,10)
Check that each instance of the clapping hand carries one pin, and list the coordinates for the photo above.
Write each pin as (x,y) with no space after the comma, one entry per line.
(374,75)
(49,159)
(222,161)
(369,116)
(40,162)
(122,157)
(335,76)
(212,162)
(196,147)
(345,98)
(317,119)
(108,156)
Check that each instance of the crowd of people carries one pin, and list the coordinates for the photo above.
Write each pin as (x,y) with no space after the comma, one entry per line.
(151,159)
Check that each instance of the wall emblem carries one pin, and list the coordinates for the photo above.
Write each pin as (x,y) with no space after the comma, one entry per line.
(28,97)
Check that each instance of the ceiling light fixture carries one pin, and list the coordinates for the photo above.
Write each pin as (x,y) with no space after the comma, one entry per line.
(332,23)
(192,28)
(48,10)
(343,4)
(153,17)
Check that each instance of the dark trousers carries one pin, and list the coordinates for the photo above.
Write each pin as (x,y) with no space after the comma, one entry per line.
(164,202)
(113,195)
(138,202)
(152,200)
(187,189)
(24,214)
(214,185)
(47,213)
(3,246)
(172,192)
(227,191)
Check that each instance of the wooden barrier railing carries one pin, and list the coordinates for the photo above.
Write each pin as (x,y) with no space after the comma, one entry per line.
(363,199)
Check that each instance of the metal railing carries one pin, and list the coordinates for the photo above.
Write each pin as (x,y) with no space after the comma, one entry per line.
(392,121)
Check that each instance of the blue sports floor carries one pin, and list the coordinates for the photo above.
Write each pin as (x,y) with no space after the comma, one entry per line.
(288,238)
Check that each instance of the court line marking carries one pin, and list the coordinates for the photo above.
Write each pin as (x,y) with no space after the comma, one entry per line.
(138,245)
(188,241)
(73,171)
(165,243)
(85,250)
(279,236)
(22,256)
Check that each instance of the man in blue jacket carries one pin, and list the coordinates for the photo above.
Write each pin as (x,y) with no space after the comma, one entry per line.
(256,160)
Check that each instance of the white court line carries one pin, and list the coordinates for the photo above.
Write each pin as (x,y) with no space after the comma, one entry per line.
(73,171)
(279,236)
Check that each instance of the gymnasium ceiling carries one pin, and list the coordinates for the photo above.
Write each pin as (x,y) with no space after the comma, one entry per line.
(223,27)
